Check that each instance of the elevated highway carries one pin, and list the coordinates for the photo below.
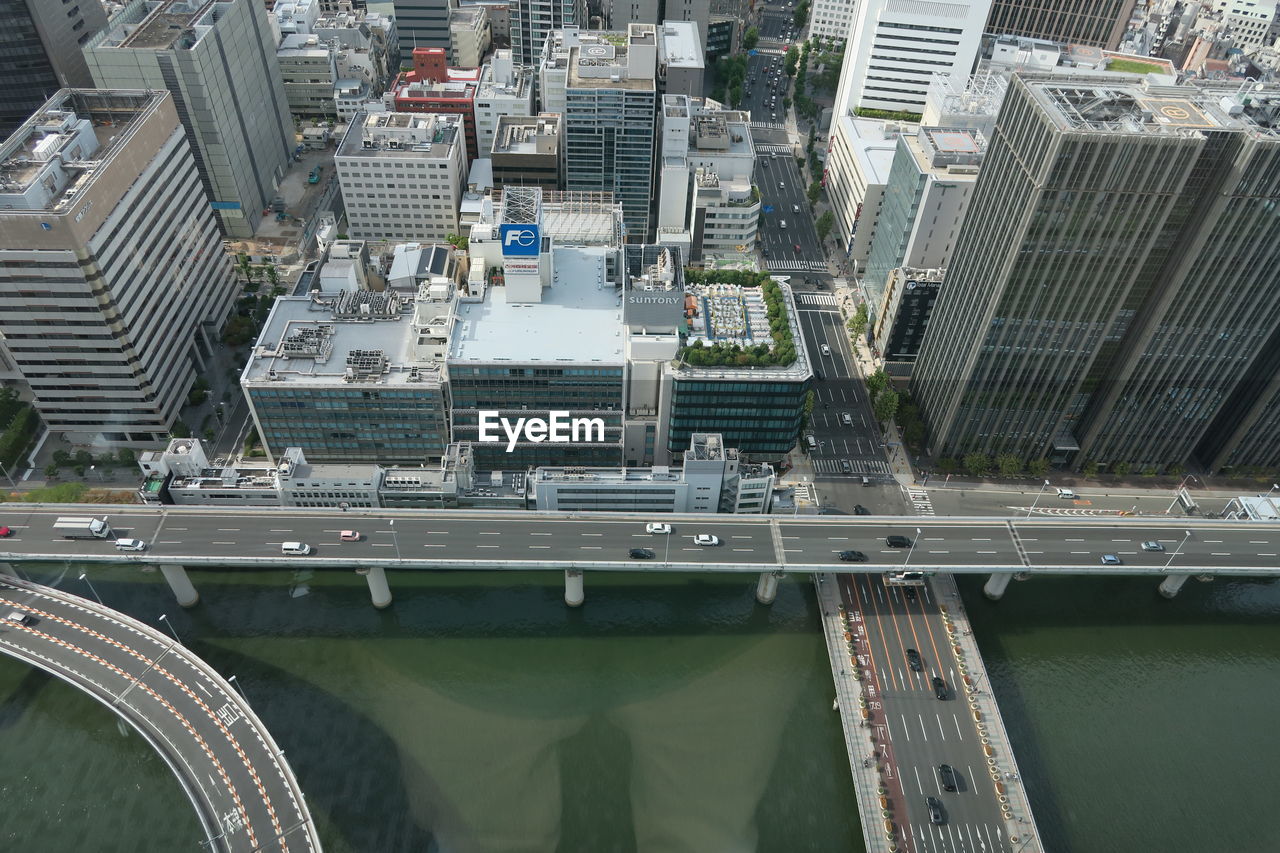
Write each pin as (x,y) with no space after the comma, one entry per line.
(244,792)
(179,537)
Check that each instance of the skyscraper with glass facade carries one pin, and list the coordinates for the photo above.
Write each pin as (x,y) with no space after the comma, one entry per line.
(610,122)
(1115,292)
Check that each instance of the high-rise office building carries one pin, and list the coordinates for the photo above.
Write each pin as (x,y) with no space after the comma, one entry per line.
(1100,23)
(1114,295)
(609,121)
(422,23)
(112,273)
(533,20)
(40,53)
(895,47)
(218,60)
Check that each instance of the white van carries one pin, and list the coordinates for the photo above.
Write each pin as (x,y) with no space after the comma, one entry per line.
(1066,493)
(783,225)
(295,549)
(811,441)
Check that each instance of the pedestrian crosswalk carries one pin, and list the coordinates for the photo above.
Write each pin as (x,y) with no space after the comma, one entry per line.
(774,149)
(920,501)
(816,299)
(796,266)
(859,468)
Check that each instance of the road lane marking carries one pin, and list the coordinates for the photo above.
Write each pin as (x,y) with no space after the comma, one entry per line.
(1075,540)
(585,534)
(282,530)
(1220,554)
(383,544)
(923,731)
(221,543)
(905,730)
(919,786)
(1214,541)
(1257,542)
(1079,552)
(940,729)
(435,546)
(583,547)
(228,529)
(746,537)
(939,552)
(956,720)
(436,532)
(747,550)
(548,534)
(988,552)
(487,546)
(540,546)
(496,533)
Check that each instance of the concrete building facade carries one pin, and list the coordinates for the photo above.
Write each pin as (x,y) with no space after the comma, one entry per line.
(218,60)
(112,271)
(533,20)
(526,151)
(402,175)
(505,90)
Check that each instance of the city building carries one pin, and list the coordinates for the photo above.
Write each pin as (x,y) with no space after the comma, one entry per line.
(609,121)
(830,19)
(112,273)
(218,61)
(858,164)
(903,316)
(1251,23)
(309,71)
(505,90)
(532,21)
(1113,296)
(402,175)
(353,377)
(930,184)
(968,102)
(498,14)
(183,474)
(681,65)
(42,54)
(712,480)
(470,35)
(526,151)
(547,340)
(1098,23)
(707,202)
(423,23)
(895,47)
(433,87)
(758,409)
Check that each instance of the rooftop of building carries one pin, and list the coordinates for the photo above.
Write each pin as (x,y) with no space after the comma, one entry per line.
(947,150)
(873,143)
(796,371)
(714,132)
(303,45)
(163,25)
(604,476)
(1112,106)
(578,321)
(407,135)
(527,134)
(467,17)
(64,143)
(681,45)
(460,89)
(335,341)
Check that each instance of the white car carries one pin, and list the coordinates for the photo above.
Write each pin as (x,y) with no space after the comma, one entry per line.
(824,349)
(705,539)
(657,527)
(130,545)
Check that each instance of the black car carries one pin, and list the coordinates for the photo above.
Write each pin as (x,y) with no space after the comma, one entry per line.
(909,592)
(939,688)
(936,815)
(913,660)
(641,553)
(947,776)
(859,509)
(853,557)
(898,541)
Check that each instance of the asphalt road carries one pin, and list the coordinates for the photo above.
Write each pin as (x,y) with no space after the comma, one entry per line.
(918,730)
(233,772)
(468,539)
(840,393)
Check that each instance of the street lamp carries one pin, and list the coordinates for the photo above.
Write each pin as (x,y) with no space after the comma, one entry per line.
(1179,489)
(395,539)
(84,577)
(240,687)
(1272,489)
(907,561)
(1037,500)
(165,619)
(1178,550)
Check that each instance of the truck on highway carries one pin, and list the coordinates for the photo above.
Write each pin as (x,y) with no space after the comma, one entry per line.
(82,527)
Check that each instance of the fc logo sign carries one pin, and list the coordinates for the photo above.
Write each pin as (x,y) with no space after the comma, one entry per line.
(520,240)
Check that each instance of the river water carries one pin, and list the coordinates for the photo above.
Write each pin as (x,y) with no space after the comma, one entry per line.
(669,713)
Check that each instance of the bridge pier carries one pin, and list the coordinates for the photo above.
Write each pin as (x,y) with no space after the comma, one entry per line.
(379,590)
(1171,584)
(573,594)
(183,589)
(767,587)
(997,584)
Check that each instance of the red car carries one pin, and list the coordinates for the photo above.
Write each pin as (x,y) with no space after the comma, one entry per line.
(6,532)
(797,247)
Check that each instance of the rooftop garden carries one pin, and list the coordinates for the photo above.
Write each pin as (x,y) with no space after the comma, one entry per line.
(1133,67)
(781,353)
(887,115)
